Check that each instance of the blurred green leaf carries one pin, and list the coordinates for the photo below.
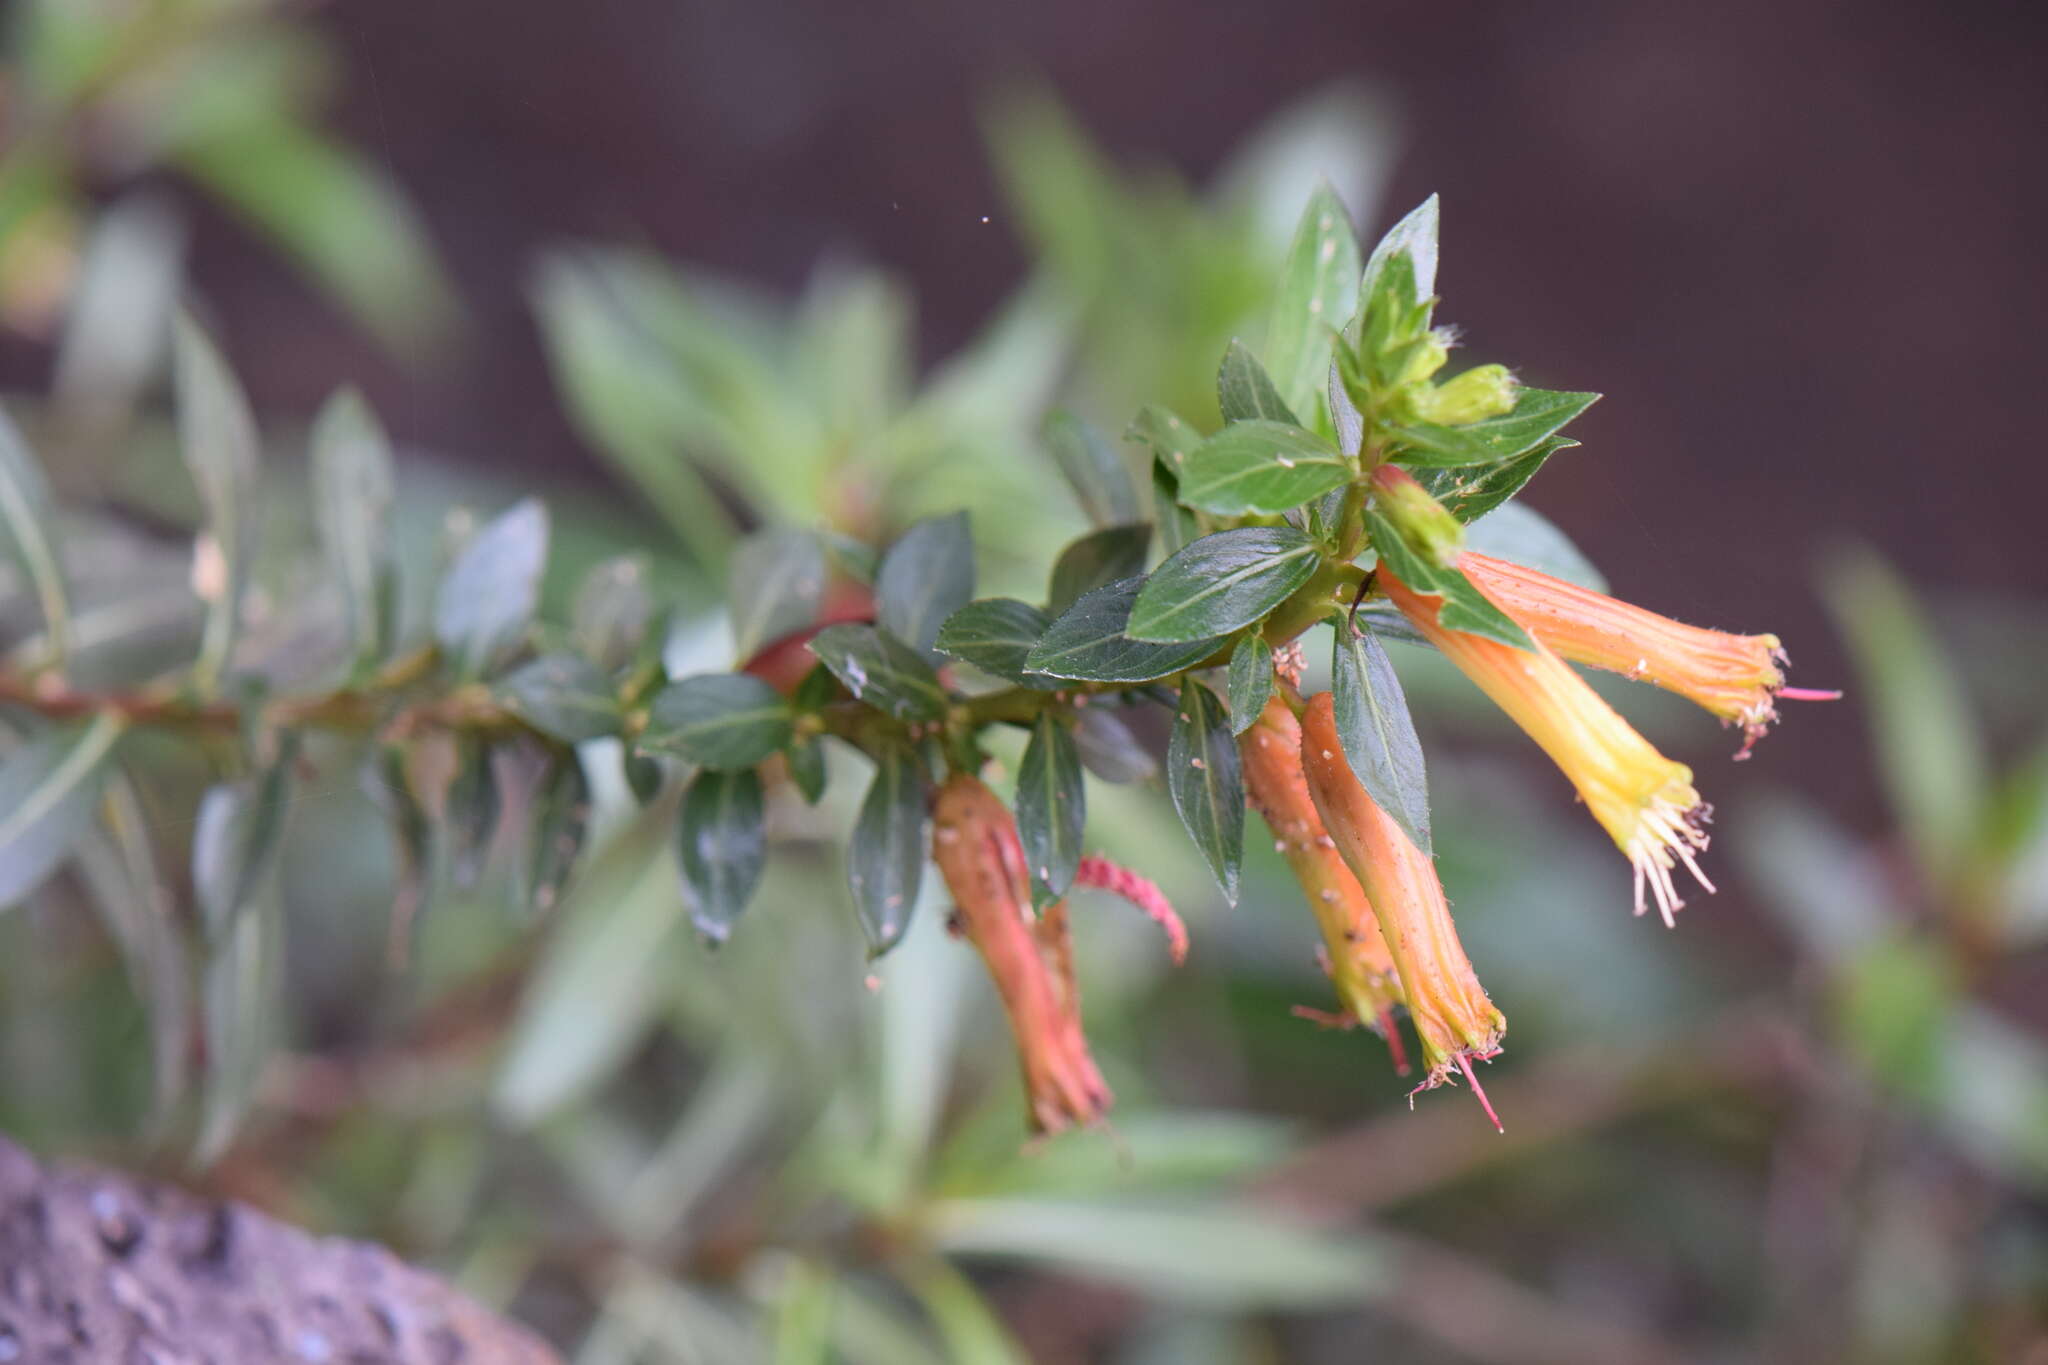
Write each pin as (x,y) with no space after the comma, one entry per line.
(1378,733)
(244,974)
(1521,535)
(1318,289)
(234,845)
(1202,777)
(26,513)
(563,696)
(352,490)
(1108,749)
(1251,680)
(1088,642)
(722,846)
(926,576)
(995,635)
(47,790)
(1892,1004)
(217,437)
(881,670)
(885,859)
(612,612)
(1261,466)
(1245,392)
(972,1331)
(1177,525)
(1415,236)
(725,721)
(775,583)
(1092,469)
(561,825)
(118,324)
(1096,560)
(1832,893)
(1222,583)
(491,592)
(1052,808)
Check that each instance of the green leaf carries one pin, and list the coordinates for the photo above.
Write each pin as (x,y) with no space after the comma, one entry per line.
(473,803)
(1415,236)
(1203,778)
(1520,534)
(885,860)
(926,576)
(25,511)
(995,635)
(352,491)
(721,846)
(1251,681)
(561,826)
(1052,808)
(1096,560)
(243,978)
(807,768)
(1378,733)
(1172,438)
(724,721)
(974,1333)
(1177,525)
(1471,492)
(1261,466)
(1464,606)
(612,612)
(881,670)
(1222,583)
(1088,642)
(217,438)
(491,592)
(1537,415)
(47,790)
(234,845)
(776,582)
(1093,469)
(1318,290)
(1109,749)
(563,696)
(1245,392)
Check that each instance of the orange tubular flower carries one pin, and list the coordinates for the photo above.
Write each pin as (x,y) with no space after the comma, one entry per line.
(1644,800)
(1736,677)
(974,842)
(1355,952)
(1452,1014)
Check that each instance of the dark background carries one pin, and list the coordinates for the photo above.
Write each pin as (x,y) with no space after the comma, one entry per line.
(1795,244)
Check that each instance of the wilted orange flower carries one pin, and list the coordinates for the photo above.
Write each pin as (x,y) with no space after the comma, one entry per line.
(974,842)
(1354,951)
(1644,800)
(1452,1014)
(1736,677)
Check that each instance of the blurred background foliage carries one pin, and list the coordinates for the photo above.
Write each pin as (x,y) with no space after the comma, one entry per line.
(1822,1134)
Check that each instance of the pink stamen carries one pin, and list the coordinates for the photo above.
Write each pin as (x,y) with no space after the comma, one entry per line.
(1810,694)
(1465,1065)
(1399,1049)
(1142,892)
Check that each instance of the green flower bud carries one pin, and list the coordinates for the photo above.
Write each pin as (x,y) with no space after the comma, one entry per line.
(1481,392)
(1426,526)
(1428,359)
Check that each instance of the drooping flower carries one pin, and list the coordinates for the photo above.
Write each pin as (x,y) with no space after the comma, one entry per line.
(1030,957)
(1355,954)
(1645,801)
(1736,677)
(1453,1016)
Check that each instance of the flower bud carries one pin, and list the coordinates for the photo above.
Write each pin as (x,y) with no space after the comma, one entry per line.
(975,844)
(1452,1014)
(1427,360)
(1424,524)
(1479,393)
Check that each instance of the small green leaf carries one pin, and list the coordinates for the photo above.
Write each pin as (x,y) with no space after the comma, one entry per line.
(995,635)
(1538,414)
(1173,439)
(1088,642)
(724,721)
(217,438)
(47,790)
(234,845)
(1471,492)
(352,492)
(881,670)
(1203,778)
(1378,733)
(808,770)
(1109,749)
(1222,583)
(721,845)
(1464,606)
(1415,236)
(612,612)
(561,826)
(1177,525)
(776,582)
(1096,559)
(25,512)
(492,590)
(563,696)
(1245,392)
(1251,680)
(1317,292)
(926,576)
(1093,469)
(244,975)
(1052,808)
(1261,466)
(885,860)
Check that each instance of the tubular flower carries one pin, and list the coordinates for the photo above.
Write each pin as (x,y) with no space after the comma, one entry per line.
(1354,951)
(974,842)
(1644,800)
(1736,677)
(1452,1014)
